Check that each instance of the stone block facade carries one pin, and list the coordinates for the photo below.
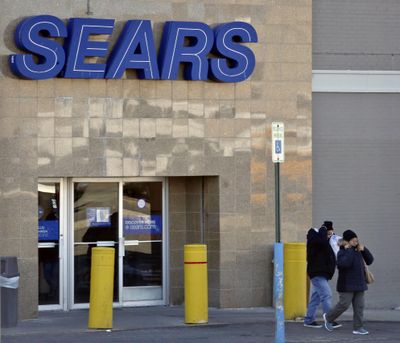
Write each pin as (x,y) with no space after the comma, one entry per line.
(182,130)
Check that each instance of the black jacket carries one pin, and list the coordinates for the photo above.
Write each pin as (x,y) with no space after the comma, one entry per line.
(351,269)
(320,256)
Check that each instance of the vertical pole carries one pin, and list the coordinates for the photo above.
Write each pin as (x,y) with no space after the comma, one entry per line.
(88,11)
(101,288)
(278,294)
(277,205)
(195,283)
(278,157)
(0,310)
(278,266)
(202,213)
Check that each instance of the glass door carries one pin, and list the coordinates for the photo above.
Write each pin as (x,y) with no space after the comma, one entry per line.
(128,215)
(95,223)
(50,245)
(142,241)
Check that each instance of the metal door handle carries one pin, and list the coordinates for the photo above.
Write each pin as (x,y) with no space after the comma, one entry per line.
(121,250)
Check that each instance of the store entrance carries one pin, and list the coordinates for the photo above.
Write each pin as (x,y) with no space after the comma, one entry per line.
(125,214)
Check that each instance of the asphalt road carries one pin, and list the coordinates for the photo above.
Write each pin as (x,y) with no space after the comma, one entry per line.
(380,332)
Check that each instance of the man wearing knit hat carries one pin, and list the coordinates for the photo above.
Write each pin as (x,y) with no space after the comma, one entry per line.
(321,263)
(351,284)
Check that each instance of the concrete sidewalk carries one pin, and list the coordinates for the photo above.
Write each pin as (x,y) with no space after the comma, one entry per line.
(138,318)
(164,323)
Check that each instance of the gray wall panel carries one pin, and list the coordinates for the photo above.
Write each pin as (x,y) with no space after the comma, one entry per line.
(356,178)
(356,34)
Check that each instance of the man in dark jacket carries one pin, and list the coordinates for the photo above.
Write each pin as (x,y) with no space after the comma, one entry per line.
(321,265)
(351,284)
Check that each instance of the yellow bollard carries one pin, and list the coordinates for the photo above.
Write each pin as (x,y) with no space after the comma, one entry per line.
(101,288)
(295,280)
(196,287)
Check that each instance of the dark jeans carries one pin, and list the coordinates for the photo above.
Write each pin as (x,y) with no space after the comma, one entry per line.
(345,299)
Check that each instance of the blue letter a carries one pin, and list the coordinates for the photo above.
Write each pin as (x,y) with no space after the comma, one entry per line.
(134,50)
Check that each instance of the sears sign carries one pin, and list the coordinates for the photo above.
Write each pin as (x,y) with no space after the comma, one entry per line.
(188,43)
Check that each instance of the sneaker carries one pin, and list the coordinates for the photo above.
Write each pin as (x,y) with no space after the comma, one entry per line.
(328,325)
(336,325)
(314,325)
(360,331)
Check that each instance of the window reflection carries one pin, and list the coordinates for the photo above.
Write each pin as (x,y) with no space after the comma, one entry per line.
(95,219)
(142,223)
(143,265)
(48,238)
(143,211)
(96,211)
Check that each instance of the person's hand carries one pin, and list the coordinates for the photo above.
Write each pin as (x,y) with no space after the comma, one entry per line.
(360,247)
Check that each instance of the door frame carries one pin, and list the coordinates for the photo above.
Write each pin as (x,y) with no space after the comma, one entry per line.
(69,304)
(62,244)
(165,245)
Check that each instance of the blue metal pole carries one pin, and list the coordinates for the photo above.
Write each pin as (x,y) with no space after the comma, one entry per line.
(278,294)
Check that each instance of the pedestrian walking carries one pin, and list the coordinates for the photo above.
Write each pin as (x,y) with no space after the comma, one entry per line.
(351,285)
(321,264)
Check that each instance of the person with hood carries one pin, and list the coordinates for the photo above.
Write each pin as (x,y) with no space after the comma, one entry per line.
(351,283)
(321,264)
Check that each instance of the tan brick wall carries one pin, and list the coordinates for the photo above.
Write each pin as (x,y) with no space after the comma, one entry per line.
(185,218)
(128,127)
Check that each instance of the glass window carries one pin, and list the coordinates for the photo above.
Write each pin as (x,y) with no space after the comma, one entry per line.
(95,220)
(142,229)
(48,239)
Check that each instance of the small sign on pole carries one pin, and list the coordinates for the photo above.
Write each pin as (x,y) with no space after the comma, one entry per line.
(278,142)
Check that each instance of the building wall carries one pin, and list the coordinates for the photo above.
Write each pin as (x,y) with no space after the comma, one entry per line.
(88,128)
(356,181)
(355,135)
(187,197)
(357,34)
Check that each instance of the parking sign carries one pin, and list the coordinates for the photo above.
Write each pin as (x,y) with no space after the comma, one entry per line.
(278,142)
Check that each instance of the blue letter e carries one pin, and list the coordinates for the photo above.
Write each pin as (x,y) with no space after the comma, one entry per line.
(50,56)
(79,47)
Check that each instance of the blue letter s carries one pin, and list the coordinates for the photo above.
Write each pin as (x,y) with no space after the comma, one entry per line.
(50,55)
(241,57)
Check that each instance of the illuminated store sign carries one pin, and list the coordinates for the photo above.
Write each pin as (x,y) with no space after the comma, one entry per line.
(190,43)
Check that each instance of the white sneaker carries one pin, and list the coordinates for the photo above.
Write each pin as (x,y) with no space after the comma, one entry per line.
(360,331)
(313,325)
